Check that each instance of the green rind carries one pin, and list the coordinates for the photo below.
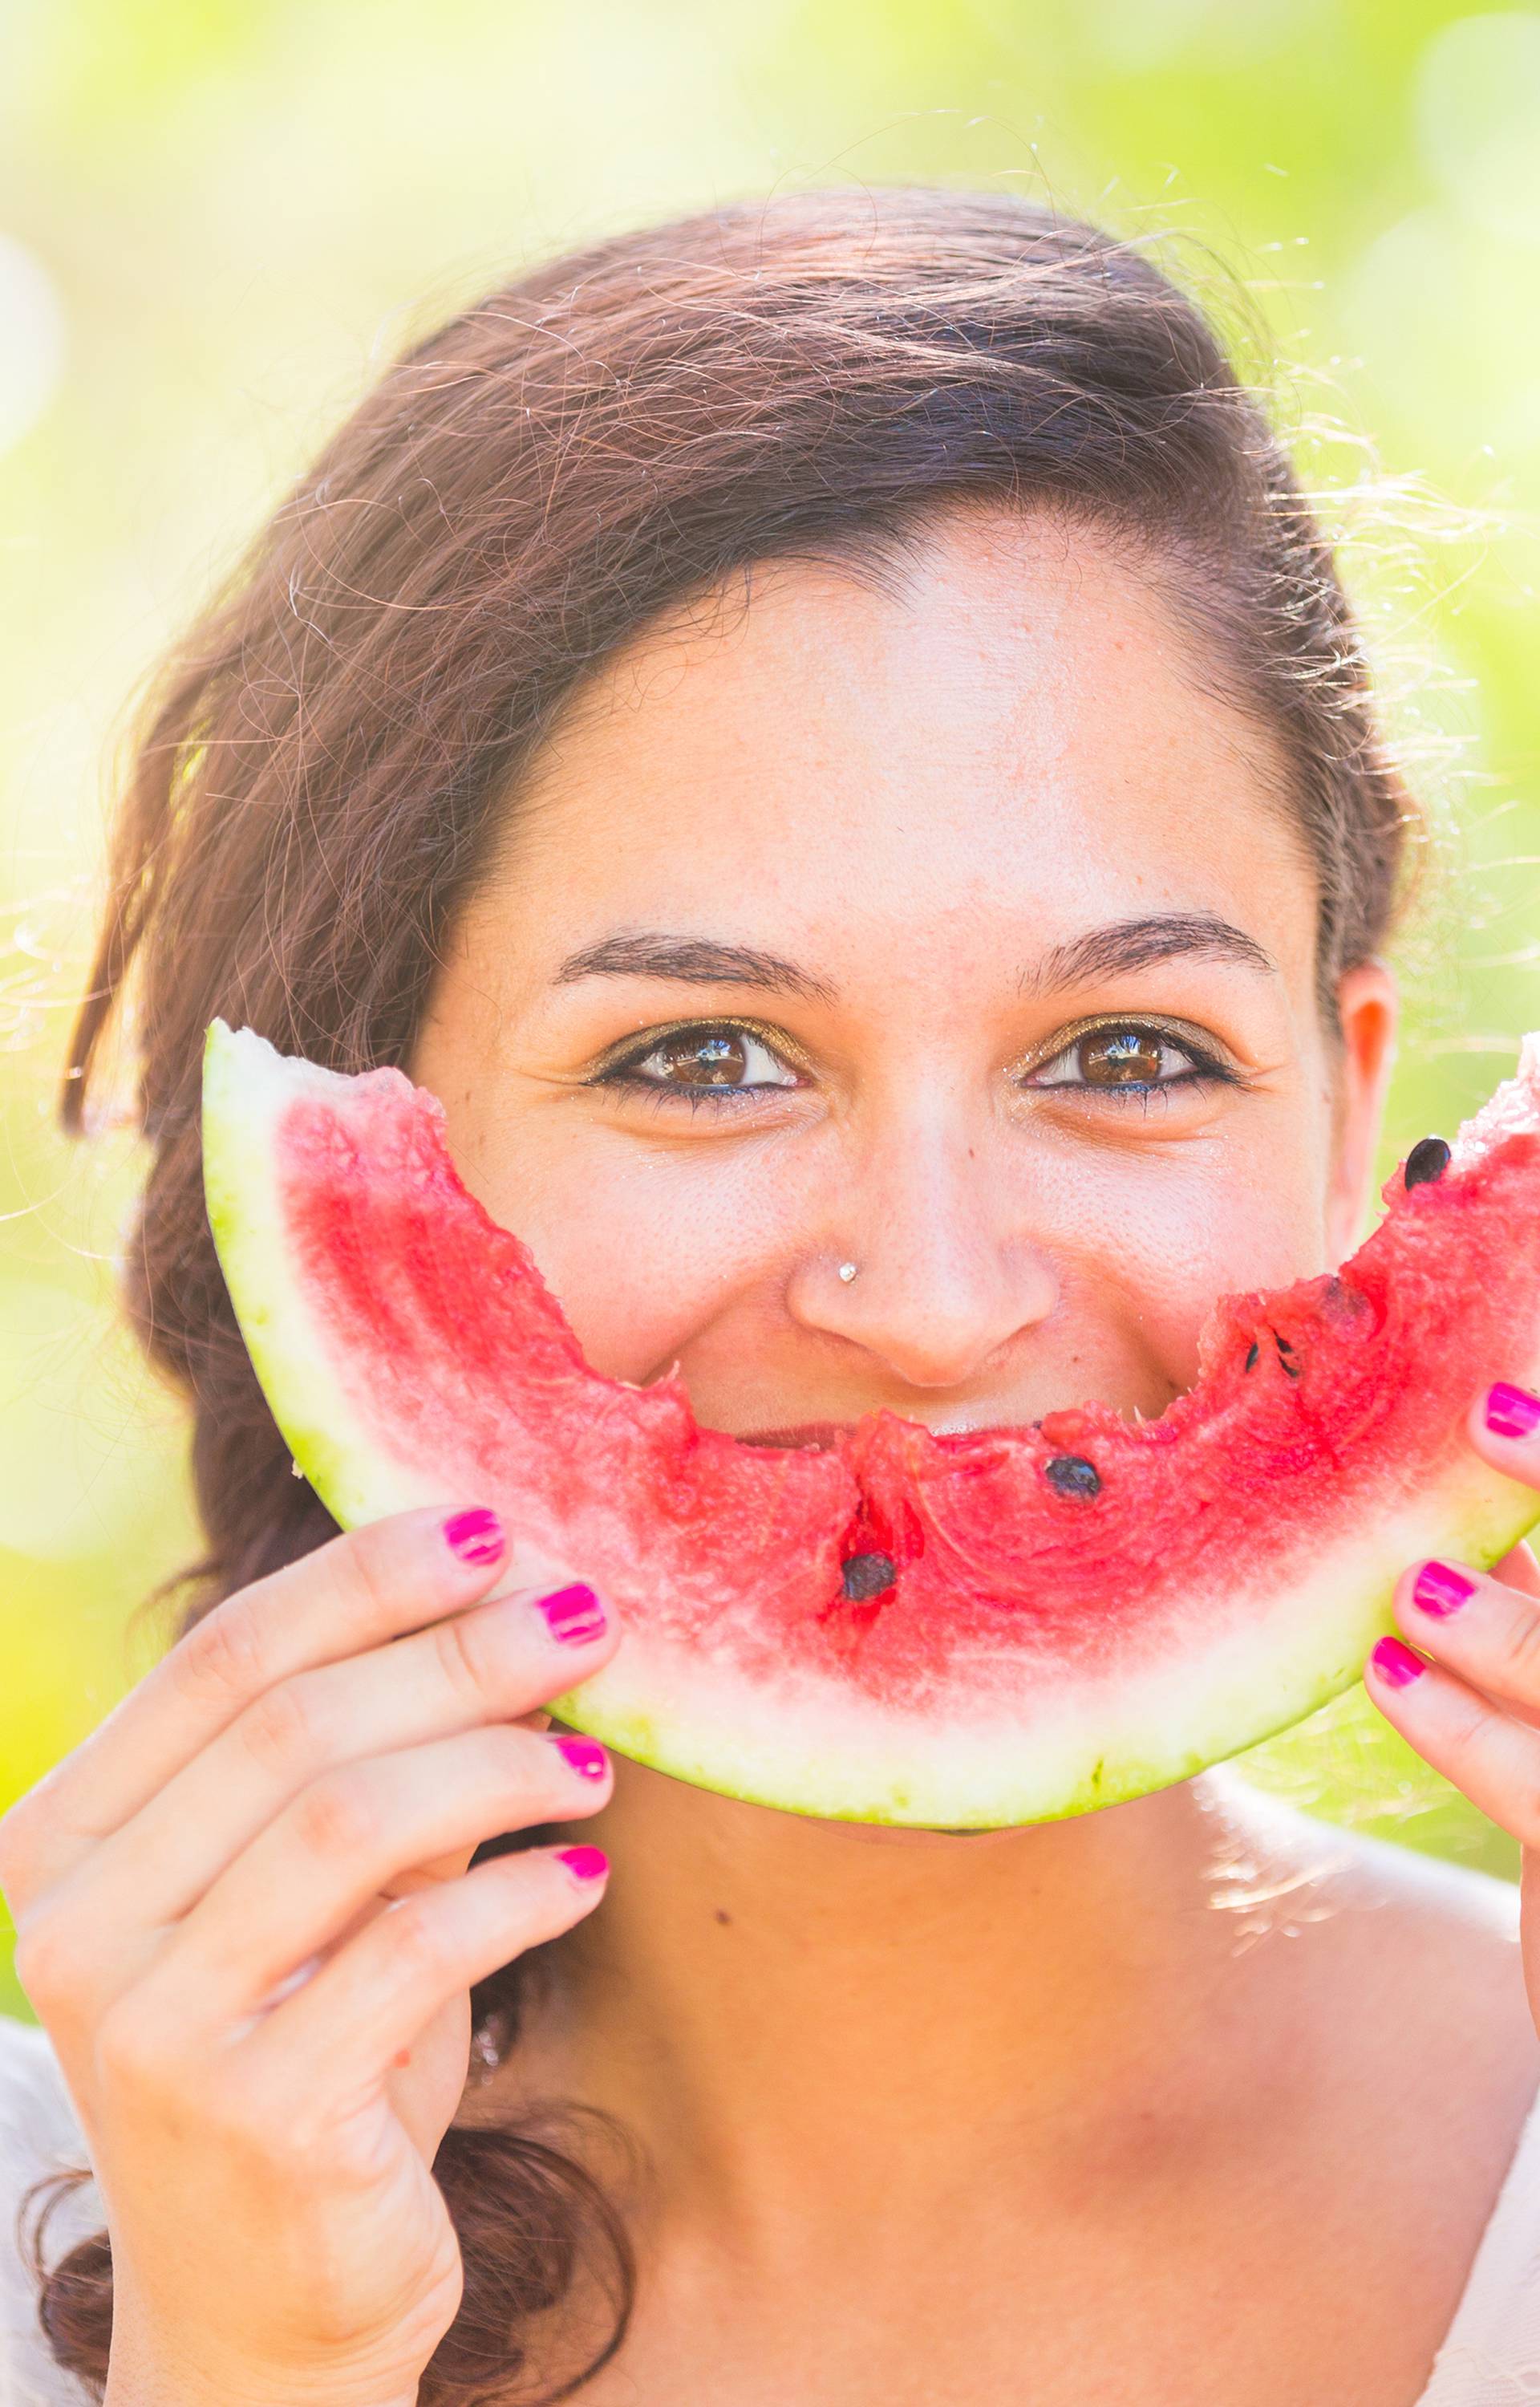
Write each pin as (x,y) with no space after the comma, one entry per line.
(819,1750)
(242,1095)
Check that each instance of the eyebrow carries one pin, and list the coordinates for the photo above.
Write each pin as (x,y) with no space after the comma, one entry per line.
(1137,944)
(1125,945)
(692,960)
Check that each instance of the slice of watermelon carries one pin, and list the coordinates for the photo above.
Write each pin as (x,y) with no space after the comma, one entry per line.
(957,1631)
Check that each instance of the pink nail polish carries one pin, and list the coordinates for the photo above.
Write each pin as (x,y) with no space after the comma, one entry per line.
(1441,1590)
(1512,1412)
(476,1536)
(583,1863)
(1396,1664)
(584,1757)
(575,1614)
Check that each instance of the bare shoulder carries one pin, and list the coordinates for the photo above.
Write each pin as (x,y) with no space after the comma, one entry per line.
(1410,1958)
(1462,1926)
(1451,1944)
(1341,1878)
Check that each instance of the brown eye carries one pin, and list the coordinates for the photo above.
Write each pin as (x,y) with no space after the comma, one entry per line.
(1122,1057)
(1132,1061)
(702,1061)
(692,1059)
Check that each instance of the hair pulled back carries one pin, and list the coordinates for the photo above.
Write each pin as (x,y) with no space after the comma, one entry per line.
(329,753)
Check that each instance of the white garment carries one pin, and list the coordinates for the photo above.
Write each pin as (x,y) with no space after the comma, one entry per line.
(39,2134)
(1490,2358)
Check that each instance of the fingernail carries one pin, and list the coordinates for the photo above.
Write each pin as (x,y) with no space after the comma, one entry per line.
(1512,1412)
(1396,1664)
(584,1756)
(476,1536)
(1439,1589)
(575,1614)
(583,1863)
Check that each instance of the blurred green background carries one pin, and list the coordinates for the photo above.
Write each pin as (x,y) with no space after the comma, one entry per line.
(217,216)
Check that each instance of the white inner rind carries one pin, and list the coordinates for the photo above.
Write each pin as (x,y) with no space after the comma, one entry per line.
(818,1746)
(825,1750)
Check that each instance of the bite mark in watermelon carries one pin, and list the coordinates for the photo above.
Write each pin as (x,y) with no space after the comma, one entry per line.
(954,1632)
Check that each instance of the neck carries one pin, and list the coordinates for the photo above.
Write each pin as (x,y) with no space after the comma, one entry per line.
(784,2011)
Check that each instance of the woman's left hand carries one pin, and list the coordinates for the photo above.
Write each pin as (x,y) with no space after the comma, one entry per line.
(1468,1698)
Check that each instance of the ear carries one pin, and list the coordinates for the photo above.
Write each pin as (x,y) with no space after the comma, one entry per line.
(1368,1008)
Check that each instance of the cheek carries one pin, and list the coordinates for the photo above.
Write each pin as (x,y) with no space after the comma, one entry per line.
(647,1246)
(1183,1241)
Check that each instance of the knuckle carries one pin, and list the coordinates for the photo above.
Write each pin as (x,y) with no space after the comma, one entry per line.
(338,1815)
(46,1961)
(281,1731)
(1469,1732)
(1521,1813)
(465,1657)
(1521,1648)
(137,2049)
(17,1846)
(223,1656)
(1501,1771)
(263,2117)
(142,2059)
(420,1941)
(372,1561)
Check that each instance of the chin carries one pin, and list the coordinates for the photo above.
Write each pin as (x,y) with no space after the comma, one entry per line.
(880,1834)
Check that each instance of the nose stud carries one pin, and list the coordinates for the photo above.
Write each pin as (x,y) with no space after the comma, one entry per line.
(847,1272)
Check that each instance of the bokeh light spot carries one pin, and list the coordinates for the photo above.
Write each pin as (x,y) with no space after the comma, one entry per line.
(32,340)
(1479,120)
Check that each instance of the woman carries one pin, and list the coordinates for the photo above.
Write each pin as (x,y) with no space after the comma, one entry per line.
(828,735)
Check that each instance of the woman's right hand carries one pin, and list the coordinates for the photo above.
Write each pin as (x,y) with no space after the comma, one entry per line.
(290,1801)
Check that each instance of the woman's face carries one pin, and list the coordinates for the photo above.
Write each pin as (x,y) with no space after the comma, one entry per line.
(953,932)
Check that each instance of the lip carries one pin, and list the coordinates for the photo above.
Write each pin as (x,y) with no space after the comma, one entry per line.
(806,1436)
(818,1436)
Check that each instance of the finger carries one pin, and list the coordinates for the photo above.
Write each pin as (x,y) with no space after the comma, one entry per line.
(321,1863)
(1503,1427)
(1484,1630)
(360,1590)
(343,2027)
(1519,1568)
(1494,1759)
(495,1662)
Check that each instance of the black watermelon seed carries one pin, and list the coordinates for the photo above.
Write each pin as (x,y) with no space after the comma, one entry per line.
(1252,1352)
(1072,1475)
(867,1575)
(1428,1159)
(1286,1355)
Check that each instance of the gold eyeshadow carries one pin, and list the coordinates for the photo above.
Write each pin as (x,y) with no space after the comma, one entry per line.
(618,1069)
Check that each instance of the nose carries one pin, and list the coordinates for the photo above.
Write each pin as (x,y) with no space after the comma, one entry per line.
(946,1271)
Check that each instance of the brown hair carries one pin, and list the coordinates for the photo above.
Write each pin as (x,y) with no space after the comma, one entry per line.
(331,752)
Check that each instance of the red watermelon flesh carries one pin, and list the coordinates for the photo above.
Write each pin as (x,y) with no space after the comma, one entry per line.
(957,1631)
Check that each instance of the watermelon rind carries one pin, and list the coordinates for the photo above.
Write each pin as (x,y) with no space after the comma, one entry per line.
(1282,1646)
(246,1084)
(1282,1657)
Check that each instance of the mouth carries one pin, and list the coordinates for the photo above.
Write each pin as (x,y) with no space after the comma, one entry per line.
(818,1436)
(808,1436)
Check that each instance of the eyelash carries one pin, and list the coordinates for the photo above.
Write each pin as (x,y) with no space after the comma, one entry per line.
(622,1075)
(1208,1070)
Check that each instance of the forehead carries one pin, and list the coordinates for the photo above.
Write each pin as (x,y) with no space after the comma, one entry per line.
(1014,726)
